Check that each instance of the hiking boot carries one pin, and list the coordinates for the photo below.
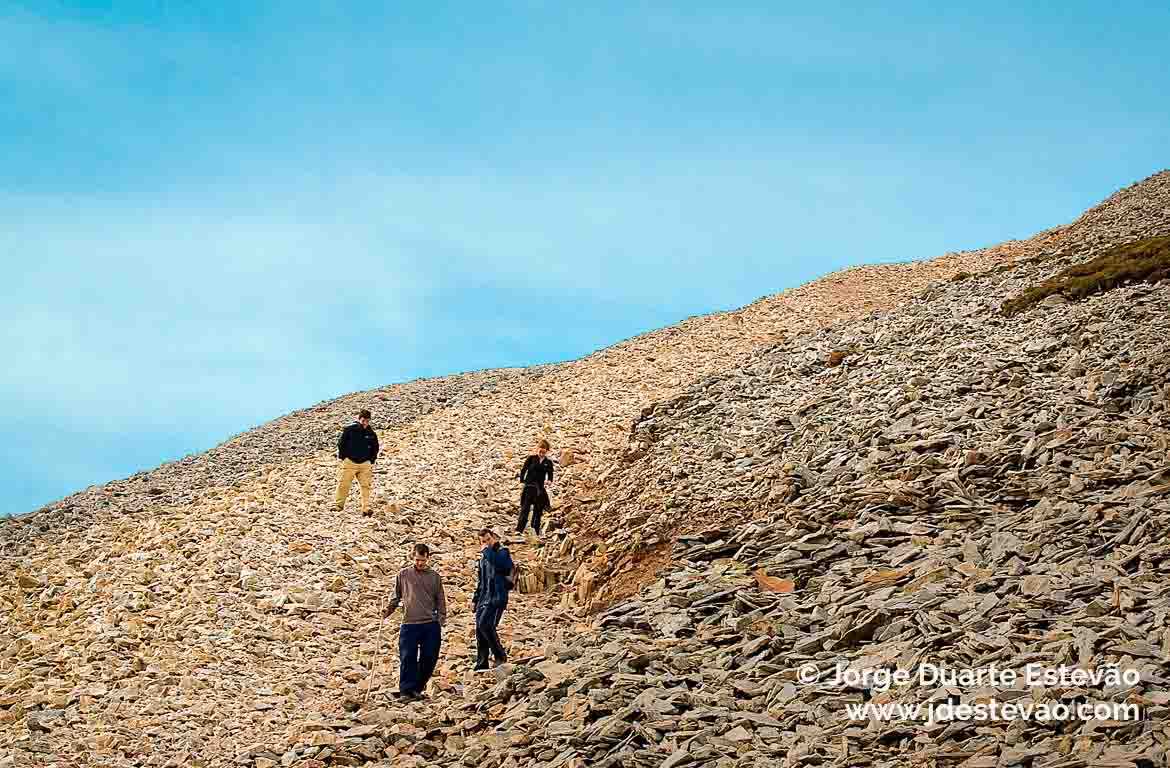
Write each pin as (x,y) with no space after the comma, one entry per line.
(409,695)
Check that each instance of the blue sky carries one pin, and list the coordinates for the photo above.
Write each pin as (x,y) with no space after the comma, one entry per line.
(211,215)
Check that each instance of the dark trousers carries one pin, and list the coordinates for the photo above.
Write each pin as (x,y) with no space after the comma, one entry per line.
(532,497)
(487,635)
(418,652)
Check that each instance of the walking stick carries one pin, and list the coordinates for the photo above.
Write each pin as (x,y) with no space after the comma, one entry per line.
(377,652)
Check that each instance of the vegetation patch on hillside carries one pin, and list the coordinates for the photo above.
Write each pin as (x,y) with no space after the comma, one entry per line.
(1140,261)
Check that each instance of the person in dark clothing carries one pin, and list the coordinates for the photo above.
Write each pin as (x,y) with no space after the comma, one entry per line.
(419,590)
(536,470)
(491,598)
(358,450)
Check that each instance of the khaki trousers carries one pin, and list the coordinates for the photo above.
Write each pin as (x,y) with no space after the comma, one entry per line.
(364,472)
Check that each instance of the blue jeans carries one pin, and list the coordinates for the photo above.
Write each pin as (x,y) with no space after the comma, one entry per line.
(418,653)
(487,636)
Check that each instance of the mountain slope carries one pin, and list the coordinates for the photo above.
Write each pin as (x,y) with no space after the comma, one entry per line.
(650,501)
(229,618)
(962,490)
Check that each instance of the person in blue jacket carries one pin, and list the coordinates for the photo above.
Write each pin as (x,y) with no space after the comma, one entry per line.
(491,598)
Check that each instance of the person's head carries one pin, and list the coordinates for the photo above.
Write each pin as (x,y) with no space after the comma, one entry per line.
(422,553)
(542,448)
(364,417)
(487,537)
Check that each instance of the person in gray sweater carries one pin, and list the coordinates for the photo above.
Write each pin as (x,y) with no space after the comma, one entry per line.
(419,590)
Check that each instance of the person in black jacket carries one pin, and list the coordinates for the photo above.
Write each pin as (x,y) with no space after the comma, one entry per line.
(536,470)
(358,450)
(491,598)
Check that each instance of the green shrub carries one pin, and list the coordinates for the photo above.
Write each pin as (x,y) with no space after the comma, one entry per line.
(1140,261)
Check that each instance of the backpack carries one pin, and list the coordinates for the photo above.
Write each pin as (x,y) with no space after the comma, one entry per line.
(513,576)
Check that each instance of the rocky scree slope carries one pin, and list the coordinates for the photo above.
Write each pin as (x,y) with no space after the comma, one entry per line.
(681,471)
(216,612)
(237,625)
(952,488)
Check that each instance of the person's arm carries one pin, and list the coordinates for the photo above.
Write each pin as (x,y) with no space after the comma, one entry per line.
(375,456)
(341,443)
(478,582)
(550,468)
(440,600)
(524,469)
(396,600)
